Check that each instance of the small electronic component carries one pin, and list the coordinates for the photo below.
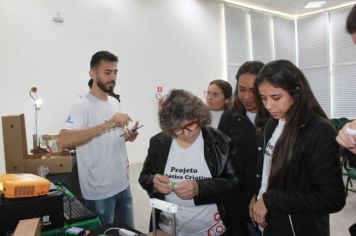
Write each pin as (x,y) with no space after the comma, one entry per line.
(172,184)
(75,231)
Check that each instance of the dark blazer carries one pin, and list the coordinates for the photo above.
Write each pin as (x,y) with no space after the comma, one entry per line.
(312,187)
(218,158)
(244,138)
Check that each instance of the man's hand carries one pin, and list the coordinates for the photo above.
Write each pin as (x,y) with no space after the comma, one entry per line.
(187,190)
(161,184)
(119,119)
(131,134)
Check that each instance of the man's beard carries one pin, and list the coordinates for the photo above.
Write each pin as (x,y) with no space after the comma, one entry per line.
(104,87)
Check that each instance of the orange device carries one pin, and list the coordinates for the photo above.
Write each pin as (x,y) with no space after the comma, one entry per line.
(23,185)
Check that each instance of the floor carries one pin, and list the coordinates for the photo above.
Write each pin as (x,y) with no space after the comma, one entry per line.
(339,222)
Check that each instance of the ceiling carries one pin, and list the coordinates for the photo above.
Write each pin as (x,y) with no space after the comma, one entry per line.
(290,7)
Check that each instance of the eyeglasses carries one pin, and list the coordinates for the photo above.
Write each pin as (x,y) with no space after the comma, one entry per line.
(190,127)
(211,94)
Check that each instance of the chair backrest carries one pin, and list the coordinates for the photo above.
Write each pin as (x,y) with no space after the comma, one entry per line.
(351,158)
(339,122)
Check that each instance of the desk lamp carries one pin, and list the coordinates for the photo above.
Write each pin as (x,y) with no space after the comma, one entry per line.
(37,104)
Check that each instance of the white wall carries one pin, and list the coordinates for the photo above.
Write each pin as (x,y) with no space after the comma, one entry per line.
(172,43)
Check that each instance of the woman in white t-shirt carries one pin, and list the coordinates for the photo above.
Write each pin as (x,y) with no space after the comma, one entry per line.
(189,164)
(299,179)
(218,99)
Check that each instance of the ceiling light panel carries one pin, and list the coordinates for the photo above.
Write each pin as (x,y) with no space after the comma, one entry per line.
(317,4)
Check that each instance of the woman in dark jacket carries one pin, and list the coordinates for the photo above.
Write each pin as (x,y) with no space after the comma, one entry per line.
(299,178)
(238,124)
(189,164)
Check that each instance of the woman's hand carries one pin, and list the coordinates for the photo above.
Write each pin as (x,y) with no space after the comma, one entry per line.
(131,134)
(259,212)
(161,184)
(250,206)
(187,190)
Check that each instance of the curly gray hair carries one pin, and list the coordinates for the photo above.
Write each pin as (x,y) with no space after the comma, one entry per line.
(180,106)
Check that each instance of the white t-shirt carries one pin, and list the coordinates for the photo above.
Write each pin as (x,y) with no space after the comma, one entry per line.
(267,161)
(189,164)
(102,161)
(215,118)
(251,116)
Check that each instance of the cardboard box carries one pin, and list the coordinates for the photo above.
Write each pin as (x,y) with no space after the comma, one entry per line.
(56,163)
(29,227)
(17,159)
(15,144)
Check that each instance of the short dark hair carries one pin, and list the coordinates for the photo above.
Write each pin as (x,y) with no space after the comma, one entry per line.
(179,106)
(90,83)
(102,55)
(351,21)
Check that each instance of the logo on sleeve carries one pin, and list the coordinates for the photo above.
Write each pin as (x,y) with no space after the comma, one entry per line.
(69,120)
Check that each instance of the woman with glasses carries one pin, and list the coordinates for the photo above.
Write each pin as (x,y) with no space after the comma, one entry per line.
(189,164)
(218,99)
(239,124)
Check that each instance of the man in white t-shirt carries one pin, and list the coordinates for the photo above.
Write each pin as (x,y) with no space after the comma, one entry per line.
(97,129)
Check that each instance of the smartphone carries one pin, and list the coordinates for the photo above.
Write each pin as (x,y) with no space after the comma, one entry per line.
(138,127)
(133,130)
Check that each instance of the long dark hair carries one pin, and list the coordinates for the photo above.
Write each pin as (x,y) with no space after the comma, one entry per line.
(285,75)
(251,67)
